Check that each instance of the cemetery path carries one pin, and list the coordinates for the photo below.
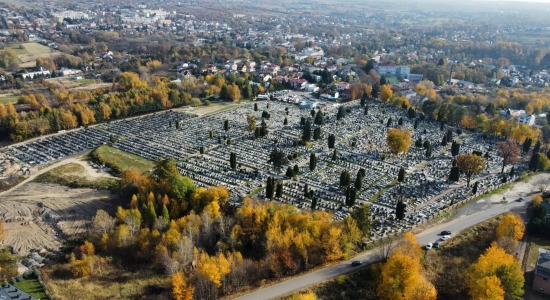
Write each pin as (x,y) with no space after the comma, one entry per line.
(467,216)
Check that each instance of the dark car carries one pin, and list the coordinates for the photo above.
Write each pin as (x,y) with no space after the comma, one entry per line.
(436,245)
(356,263)
(445,232)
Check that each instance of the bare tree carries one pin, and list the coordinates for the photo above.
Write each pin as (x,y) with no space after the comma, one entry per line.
(509,151)
(102,222)
(385,247)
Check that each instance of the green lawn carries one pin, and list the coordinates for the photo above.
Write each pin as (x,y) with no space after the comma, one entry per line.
(36,48)
(16,48)
(86,81)
(123,160)
(71,175)
(536,243)
(32,287)
(5,100)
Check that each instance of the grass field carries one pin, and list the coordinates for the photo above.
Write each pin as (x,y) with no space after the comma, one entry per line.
(123,160)
(32,287)
(6,100)
(16,48)
(86,81)
(71,175)
(36,48)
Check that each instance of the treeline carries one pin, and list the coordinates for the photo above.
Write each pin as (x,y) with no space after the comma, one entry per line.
(210,248)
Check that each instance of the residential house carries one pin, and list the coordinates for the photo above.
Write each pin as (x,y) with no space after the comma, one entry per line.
(298,84)
(313,88)
(330,96)
(341,86)
(67,72)
(526,119)
(541,282)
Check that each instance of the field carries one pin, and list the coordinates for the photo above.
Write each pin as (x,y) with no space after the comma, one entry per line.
(6,100)
(115,282)
(41,215)
(27,56)
(205,110)
(32,287)
(123,160)
(76,175)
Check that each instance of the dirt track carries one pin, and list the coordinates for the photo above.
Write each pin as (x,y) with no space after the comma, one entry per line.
(39,215)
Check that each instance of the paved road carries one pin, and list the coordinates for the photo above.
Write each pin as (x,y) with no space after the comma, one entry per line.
(427,236)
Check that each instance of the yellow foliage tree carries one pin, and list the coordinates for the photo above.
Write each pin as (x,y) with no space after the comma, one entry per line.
(470,164)
(398,140)
(495,262)
(511,226)
(305,296)
(386,92)
(180,289)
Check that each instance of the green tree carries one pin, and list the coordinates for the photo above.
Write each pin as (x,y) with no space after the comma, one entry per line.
(306,133)
(362,215)
(400,210)
(312,162)
(331,141)
(359,180)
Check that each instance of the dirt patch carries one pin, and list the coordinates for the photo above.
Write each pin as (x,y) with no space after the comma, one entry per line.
(93,86)
(39,215)
(204,110)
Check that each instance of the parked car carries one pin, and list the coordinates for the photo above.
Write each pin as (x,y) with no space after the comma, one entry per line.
(436,245)
(446,237)
(445,232)
(520,199)
(356,263)
(429,246)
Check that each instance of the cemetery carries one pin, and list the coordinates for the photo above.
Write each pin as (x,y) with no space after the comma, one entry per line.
(236,148)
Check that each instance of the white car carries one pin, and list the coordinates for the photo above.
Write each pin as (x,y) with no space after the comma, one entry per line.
(446,237)
(429,246)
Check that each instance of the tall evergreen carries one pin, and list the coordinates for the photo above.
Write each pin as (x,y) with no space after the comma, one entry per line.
(389,122)
(444,141)
(527,145)
(317,133)
(306,133)
(474,189)
(359,180)
(312,162)
(401,175)
(226,125)
(455,174)
(416,123)
(400,210)
(296,170)
(319,118)
(536,149)
(285,122)
(334,155)
(314,203)
(411,113)
(449,136)
(289,172)
(366,111)
(255,106)
(306,191)
(534,162)
(233,160)
(331,141)
(279,191)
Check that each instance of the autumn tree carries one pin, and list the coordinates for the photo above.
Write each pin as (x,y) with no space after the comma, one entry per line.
(470,164)
(511,226)
(398,140)
(509,151)
(402,277)
(386,92)
(180,289)
(102,222)
(495,274)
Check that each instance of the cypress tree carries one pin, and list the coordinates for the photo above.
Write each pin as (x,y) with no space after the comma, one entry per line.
(359,180)
(219,139)
(400,210)
(536,149)
(177,125)
(279,192)
(201,150)
(352,196)
(442,127)
(255,106)
(444,141)
(211,133)
(363,102)
(331,141)
(317,133)
(474,189)
(512,172)
(455,174)
(527,145)
(296,170)
(314,203)
(165,213)
(306,191)
(306,134)
(401,175)
(233,160)
(449,136)
(285,122)
(319,118)
(312,162)
(366,111)
(429,151)
(411,113)
(534,162)
(289,172)
(334,155)
(400,121)
(226,125)
(257,132)
(416,123)
(389,122)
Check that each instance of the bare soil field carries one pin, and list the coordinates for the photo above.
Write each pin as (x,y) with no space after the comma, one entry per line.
(40,215)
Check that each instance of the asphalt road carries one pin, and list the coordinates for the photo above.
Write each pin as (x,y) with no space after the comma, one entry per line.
(428,236)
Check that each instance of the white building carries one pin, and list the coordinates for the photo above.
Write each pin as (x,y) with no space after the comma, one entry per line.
(526,119)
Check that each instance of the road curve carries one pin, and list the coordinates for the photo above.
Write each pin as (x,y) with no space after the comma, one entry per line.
(428,236)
